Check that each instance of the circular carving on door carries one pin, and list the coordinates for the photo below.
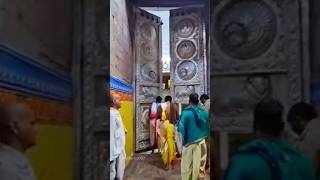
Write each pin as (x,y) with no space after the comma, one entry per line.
(149,72)
(185,27)
(187,70)
(143,124)
(186,49)
(246,29)
(148,51)
(148,31)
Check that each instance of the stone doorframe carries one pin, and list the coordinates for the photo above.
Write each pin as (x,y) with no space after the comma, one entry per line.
(89,71)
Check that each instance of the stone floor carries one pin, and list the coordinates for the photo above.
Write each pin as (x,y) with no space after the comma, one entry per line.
(149,167)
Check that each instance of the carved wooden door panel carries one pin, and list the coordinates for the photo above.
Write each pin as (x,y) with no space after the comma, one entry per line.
(188,66)
(257,53)
(148,78)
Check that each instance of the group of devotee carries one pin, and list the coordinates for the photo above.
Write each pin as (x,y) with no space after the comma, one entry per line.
(285,146)
(166,126)
(170,130)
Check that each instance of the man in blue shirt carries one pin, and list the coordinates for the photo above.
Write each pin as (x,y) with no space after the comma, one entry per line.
(194,129)
(269,157)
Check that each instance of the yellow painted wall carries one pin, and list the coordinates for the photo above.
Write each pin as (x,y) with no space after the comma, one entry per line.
(53,157)
(126,112)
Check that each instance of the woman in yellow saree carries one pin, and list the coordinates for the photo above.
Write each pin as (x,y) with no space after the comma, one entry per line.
(166,141)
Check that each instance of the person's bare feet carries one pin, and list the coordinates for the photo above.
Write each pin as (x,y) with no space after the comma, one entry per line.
(167,167)
(173,164)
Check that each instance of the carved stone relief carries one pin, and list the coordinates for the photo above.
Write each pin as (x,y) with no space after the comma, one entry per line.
(186,70)
(239,98)
(149,51)
(234,124)
(246,29)
(182,92)
(262,39)
(186,49)
(148,93)
(148,32)
(188,66)
(149,72)
(142,127)
(185,27)
(250,38)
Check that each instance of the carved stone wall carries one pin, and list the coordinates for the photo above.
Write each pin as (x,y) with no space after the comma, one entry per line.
(188,68)
(148,71)
(257,54)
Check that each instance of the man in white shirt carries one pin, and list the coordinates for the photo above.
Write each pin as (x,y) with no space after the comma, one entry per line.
(205,102)
(117,140)
(304,121)
(17,133)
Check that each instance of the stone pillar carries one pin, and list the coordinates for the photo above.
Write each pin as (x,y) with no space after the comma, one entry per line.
(92,57)
(314,51)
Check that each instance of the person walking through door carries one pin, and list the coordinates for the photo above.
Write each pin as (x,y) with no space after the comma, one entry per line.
(193,127)
(171,109)
(117,139)
(269,157)
(169,118)
(154,122)
(167,143)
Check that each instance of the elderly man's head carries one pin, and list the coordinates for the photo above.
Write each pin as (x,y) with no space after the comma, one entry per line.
(115,101)
(17,125)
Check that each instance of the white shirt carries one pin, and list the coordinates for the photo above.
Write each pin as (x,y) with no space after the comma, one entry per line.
(309,144)
(289,135)
(117,134)
(206,105)
(14,165)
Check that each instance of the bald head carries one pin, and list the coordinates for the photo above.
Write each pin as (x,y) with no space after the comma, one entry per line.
(19,124)
(115,101)
(18,110)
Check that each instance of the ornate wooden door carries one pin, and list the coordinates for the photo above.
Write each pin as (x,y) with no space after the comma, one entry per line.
(148,78)
(257,52)
(188,65)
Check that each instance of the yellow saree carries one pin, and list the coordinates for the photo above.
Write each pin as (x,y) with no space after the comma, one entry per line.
(167,146)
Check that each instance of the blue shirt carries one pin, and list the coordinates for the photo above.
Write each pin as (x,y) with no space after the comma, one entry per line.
(193,125)
(269,160)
